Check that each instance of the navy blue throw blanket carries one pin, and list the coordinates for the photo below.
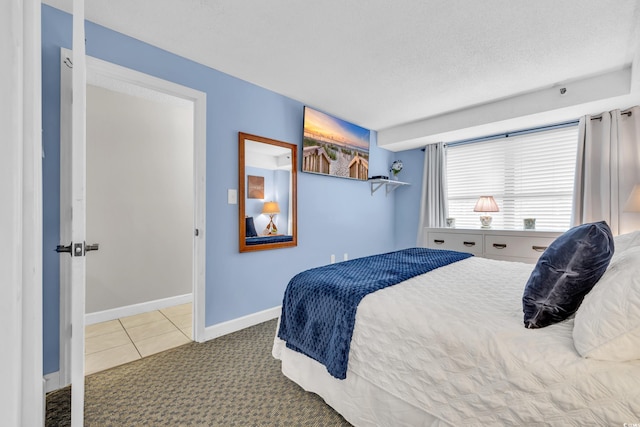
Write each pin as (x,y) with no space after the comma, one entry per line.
(319,306)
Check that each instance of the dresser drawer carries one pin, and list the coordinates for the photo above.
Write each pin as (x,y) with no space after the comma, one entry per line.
(471,243)
(515,246)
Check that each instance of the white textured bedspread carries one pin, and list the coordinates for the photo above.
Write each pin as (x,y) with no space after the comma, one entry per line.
(452,343)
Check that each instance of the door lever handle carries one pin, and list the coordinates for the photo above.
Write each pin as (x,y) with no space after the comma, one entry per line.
(79,249)
(93,247)
(61,248)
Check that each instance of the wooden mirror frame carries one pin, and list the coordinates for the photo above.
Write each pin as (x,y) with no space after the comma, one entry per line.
(242,193)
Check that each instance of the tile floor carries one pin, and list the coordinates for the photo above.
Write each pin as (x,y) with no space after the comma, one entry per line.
(120,341)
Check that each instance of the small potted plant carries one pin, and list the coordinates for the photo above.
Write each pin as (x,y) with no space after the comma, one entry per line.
(396,167)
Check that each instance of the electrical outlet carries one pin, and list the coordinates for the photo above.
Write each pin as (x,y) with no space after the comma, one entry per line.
(345,257)
(333,258)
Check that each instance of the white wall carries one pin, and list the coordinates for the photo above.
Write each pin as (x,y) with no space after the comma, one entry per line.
(21,396)
(11,99)
(139,199)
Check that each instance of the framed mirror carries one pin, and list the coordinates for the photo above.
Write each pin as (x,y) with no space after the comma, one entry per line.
(267,193)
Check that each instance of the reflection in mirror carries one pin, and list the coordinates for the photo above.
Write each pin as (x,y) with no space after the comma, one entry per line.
(267,193)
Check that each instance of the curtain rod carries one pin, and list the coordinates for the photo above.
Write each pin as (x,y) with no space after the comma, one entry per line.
(623,113)
(514,133)
(525,131)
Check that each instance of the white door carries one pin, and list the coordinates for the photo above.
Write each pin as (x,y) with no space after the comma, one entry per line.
(73,212)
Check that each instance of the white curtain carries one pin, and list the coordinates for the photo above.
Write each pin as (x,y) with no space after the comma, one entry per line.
(607,168)
(433,204)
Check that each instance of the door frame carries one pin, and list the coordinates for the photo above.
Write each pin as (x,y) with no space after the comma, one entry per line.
(99,70)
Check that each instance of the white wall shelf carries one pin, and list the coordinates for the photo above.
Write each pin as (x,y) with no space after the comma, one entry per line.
(389,185)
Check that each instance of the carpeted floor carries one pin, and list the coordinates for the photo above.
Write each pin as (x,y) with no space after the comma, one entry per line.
(229,381)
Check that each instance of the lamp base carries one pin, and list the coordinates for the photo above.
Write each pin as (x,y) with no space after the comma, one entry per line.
(485,220)
(271,227)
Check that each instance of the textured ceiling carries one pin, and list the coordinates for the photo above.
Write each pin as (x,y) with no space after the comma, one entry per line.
(383,63)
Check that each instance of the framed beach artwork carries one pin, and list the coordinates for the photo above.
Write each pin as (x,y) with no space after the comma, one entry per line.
(334,147)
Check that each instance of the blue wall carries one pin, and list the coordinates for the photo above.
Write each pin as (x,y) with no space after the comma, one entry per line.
(335,215)
(407,198)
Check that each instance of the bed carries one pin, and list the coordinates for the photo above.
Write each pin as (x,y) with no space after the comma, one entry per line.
(448,347)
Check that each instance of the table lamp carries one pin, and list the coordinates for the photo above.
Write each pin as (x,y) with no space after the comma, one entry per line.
(271,208)
(486,204)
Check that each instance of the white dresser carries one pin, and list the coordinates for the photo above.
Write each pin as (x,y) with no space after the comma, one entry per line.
(509,245)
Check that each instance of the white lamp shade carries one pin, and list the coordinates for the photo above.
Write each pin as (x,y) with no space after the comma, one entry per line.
(633,202)
(486,204)
(271,208)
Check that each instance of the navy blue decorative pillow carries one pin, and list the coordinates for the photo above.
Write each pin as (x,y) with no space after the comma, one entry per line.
(250,227)
(565,273)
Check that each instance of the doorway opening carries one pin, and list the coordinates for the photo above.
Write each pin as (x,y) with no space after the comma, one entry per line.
(145,162)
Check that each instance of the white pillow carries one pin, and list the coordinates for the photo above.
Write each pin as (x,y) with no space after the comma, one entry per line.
(625,241)
(607,324)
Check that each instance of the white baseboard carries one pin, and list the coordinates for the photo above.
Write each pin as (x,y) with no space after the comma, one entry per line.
(52,382)
(132,310)
(243,322)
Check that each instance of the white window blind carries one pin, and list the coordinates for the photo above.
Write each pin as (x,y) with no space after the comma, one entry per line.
(529,175)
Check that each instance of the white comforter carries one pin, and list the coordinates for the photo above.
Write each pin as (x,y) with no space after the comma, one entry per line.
(452,343)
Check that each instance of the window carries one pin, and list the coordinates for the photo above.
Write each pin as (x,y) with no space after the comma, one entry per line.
(529,174)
